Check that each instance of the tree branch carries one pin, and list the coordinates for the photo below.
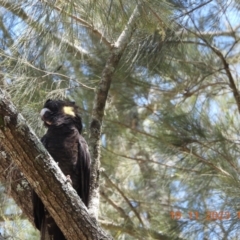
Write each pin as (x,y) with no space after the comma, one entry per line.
(137,159)
(15,183)
(124,197)
(12,217)
(232,84)
(99,106)
(228,73)
(84,23)
(201,35)
(192,10)
(119,209)
(143,233)
(23,147)
(19,12)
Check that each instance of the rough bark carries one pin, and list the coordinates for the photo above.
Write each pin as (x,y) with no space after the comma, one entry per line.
(15,183)
(17,151)
(99,106)
(19,144)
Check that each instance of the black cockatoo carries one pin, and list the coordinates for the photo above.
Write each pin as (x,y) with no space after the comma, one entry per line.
(69,149)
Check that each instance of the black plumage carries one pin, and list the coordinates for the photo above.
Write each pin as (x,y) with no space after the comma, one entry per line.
(69,149)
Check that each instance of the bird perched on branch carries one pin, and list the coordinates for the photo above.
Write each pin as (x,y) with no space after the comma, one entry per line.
(69,149)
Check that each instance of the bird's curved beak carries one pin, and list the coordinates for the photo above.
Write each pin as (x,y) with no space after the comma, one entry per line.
(42,114)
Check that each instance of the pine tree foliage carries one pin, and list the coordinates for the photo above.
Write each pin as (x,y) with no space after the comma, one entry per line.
(13,225)
(170,138)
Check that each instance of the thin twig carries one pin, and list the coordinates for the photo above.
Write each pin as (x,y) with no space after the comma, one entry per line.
(18,11)
(114,205)
(124,197)
(210,164)
(150,161)
(85,24)
(192,10)
(144,233)
(225,65)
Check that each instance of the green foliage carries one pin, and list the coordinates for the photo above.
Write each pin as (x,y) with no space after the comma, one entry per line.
(12,223)
(170,139)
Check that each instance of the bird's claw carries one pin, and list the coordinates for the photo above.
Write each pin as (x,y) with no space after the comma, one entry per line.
(68,179)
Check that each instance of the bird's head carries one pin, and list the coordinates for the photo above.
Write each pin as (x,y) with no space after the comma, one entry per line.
(57,113)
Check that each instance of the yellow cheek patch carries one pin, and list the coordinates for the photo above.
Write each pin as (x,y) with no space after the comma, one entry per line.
(69,111)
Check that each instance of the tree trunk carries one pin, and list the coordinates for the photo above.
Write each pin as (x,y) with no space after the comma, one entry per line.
(99,106)
(19,144)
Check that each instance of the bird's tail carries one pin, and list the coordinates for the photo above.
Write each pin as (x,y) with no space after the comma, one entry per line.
(50,230)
